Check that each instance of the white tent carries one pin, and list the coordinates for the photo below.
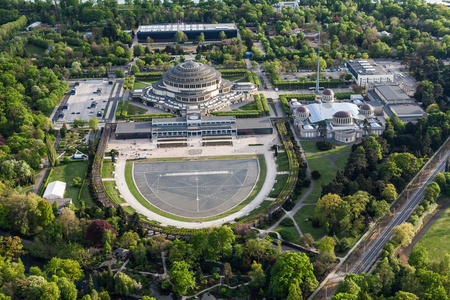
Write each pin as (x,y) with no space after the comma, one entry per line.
(55,190)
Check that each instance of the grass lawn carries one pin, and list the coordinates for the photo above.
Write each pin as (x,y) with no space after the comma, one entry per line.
(107,169)
(306,212)
(113,193)
(32,49)
(139,85)
(249,106)
(66,173)
(326,170)
(243,80)
(135,110)
(151,80)
(282,162)
(232,78)
(278,186)
(129,209)
(146,204)
(341,161)
(274,109)
(288,233)
(437,239)
(311,146)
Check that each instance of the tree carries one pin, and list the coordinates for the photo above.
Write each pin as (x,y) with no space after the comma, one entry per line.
(108,236)
(96,229)
(138,50)
(93,123)
(65,268)
(51,152)
(257,275)
(389,193)
(418,258)
(181,37)
(222,35)
(441,181)
(219,241)
(327,244)
(107,248)
(123,284)
(134,69)
(307,240)
(400,295)
(181,277)
(227,272)
(292,268)
(403,234)
(67,288)
(140,255)
(129,239)
(119,73)
(326,208)
(11,247)
(200,38)
(63,131)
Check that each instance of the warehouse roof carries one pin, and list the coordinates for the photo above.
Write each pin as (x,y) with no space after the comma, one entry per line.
(55,189)
(186,27)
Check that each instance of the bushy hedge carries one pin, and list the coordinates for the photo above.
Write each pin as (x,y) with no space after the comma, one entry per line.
(324,145)
(258,102)
(148,75)
(238,113)
(285,104)
(264,104)
(233,72)
(250,77)
(148,117)
(255,79)
(286,85)
(342,96)
(305,97)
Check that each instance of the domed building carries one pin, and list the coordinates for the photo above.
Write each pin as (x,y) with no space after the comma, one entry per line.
(194,85)
(339,121)
(327,95)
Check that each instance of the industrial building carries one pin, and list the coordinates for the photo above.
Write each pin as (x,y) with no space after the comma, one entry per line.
(166,32)
(367,72)
(395,101)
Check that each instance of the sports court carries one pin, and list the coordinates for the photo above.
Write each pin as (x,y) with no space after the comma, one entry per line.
(196,189)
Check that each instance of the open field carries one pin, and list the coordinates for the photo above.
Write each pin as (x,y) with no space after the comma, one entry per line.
(278,186)
(140,85)
(135,110)
(325,169)
(282,162)
(311,147)
(288,233)
(32,49)
(66,173)
(340,162)
(304,213)
(232,78)
(437,239)
(111,190)
(108,169)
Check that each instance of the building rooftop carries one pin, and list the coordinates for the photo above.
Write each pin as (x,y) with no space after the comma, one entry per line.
(325,111)
(55,189)
(407,110)
(186,27)
(391,92)
(134,127)
(366,67)
(253,123)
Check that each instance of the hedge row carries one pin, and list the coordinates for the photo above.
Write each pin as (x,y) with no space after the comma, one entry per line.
(250,77)
(233,72)
(285,104)
(306,97)
(119,109)
(264,104)
(148,75)
(255,78)
(342,96)
(148,117)
(258,102)
(238,113)
(285,85)
(47,104)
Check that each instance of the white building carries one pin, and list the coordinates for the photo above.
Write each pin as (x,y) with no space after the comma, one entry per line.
(344,122)
(55,190)
(367,72)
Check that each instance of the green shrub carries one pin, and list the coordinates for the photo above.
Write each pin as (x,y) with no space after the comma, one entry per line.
(287,222)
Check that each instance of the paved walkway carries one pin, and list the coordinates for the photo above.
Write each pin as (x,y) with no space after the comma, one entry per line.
(240,147)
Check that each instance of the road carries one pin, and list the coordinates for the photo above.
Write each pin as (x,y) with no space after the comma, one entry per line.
(373,251)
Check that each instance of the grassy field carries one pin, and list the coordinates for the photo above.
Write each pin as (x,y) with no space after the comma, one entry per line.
(32,49)
(134,109)
(110,188)
(139,85)
(278,186)
(437,239)
(146,204)
(341,161)
(107,169)
(326,170)
(249,106)
(129,209)
(311,146)
(288,233)
(66,173)
(232,78)
(306,212)
(151,80)
(282,162)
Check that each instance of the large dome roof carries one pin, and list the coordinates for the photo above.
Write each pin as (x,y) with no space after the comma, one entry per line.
(366,107)
(328,92)
(303,109)
(342,114)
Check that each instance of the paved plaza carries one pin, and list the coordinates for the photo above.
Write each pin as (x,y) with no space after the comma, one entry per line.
(196,189)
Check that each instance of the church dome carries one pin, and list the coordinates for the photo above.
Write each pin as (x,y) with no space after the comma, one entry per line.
(302,112)
(342,118)
(366,107)
(328,92)
(342,114)
(367,110)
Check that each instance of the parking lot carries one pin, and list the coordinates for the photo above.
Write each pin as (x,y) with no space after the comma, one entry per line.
(87,102)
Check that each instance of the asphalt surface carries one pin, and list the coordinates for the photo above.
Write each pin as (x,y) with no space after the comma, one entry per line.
(400,216)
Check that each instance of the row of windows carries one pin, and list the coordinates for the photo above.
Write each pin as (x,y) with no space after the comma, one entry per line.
(185,99)
(191,86)
(192,79)
(191,73)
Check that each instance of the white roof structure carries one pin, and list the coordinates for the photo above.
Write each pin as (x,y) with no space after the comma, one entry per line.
(55,190)
(325,111)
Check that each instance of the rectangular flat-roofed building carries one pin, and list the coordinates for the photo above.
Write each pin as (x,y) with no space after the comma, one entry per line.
(166,32)
(366,72)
